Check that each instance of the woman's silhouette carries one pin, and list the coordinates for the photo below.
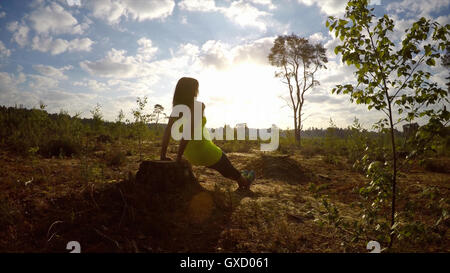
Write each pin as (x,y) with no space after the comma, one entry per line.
(200,152)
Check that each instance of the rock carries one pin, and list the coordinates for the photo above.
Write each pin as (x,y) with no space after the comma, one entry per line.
(166,176)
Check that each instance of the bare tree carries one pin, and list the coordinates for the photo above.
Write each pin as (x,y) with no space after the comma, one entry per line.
(298,60)
(158,111)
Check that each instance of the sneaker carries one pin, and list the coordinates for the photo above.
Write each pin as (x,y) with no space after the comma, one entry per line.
(244,173)
(251,176)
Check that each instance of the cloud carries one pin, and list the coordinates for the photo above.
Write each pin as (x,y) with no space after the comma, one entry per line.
(20,33)
(47,21)
(10,93)
(2,14)
(267,3)
(73,2)
(222,56)
(41,88)
(108,10)
(413,8)
(93,85)
(42,82)
(188,49)
(10,81)
(136,87)
(324,98)
(240,12)
(146,50)
(57,99)
(52,72)
(4,52)
(329,7)
(215,54)
(113,10)
(58,46)
(255,52)
(148,10)
(245,14)
(317,38)
(443,20)
(54,19)
(198,5)
(116,63)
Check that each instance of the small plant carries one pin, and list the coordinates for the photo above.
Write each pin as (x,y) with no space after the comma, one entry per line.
(331,159)
(331,213)
(392,79)
(97,117)
(104,138)
(140,122)
(357,141)
(116,158)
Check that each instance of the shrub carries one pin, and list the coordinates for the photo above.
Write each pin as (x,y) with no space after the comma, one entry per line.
(235,146)
(60,147)
(331,159)
(311,150)
(116,158)
(439,165)
(104,139)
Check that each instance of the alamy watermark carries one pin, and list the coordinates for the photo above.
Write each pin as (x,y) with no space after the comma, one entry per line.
(184,125)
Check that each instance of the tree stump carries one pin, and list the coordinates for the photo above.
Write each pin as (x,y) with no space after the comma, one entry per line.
(166,176)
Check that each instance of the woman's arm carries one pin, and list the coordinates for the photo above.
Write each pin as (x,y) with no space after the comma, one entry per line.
(166,138)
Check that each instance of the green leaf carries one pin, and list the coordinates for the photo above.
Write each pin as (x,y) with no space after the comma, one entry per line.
(431,62)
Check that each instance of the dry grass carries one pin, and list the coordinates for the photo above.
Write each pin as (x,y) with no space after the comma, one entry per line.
(284,213)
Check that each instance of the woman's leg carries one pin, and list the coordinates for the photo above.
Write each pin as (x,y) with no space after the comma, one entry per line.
(225,168)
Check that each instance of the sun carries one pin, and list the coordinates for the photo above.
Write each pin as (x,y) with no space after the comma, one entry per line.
(243,93)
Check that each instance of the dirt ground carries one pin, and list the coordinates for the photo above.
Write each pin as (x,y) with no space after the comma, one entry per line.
(45,203)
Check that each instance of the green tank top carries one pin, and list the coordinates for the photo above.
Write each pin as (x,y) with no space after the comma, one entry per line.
(202,152)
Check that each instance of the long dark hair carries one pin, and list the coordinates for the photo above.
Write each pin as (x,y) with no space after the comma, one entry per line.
(185,91)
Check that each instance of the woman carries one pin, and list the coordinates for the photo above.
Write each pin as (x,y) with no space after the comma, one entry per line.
(200,152)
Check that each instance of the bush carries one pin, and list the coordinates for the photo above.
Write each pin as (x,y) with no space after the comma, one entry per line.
(311,150)
(331,159)
(438,165)
(116,158)
(285,149)
(60,147)
(104,139)
(235,146)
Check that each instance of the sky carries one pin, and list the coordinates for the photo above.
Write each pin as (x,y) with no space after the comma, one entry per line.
(73,54)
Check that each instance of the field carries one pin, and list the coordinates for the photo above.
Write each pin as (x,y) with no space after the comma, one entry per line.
(304,199)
